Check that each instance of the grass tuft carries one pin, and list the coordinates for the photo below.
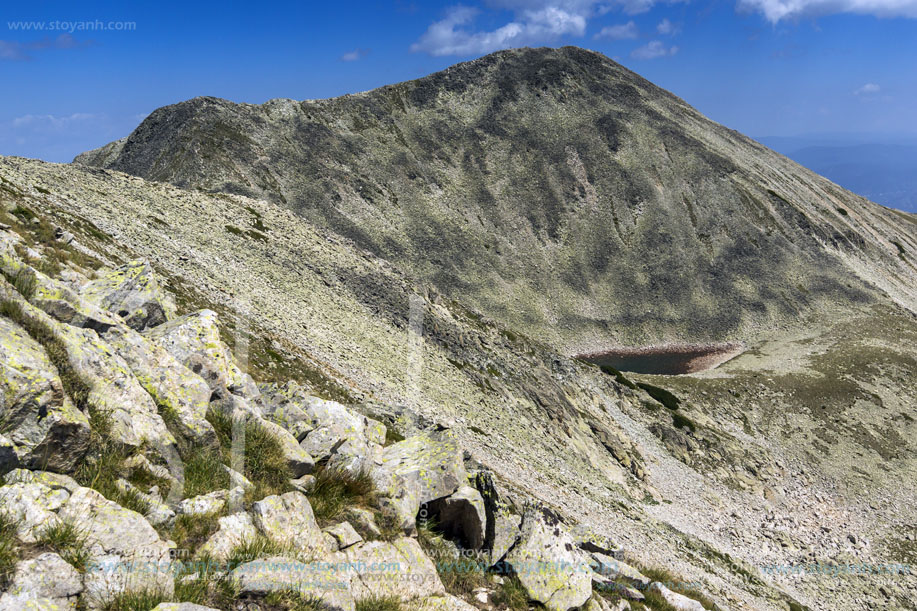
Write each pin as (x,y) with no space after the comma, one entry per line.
(136,600)
(334,490)
(204,472)
(265,464)
(511,595)
(191,531)
(380,603)
(67,540)
(9,548)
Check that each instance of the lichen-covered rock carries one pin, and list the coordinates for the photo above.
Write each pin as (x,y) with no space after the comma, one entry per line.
(319,580)
(47,578)
(299,460)
(461,516)
(502,526)
(612,569)
(171,385)
(546,564)
(287,519)
(680,602)
(31,506)
(352,441)
(45,428)
(417,470)
(364,520)
(182,607)
(126,552)
(115,391)
(64,305)
(355,455)
(194,339)
(52,480)
(443,603)
(205,504)
(344,535)
(400,569)
(285,405)
(234,530)
(133,292)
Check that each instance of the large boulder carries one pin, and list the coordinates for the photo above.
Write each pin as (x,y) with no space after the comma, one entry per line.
(399,569)
(45,428)
(133,292)
(299,460)
(545,560)
(60,302)
(461,517)
(194,339)
(679,602)
(234,530)
(416,471)
(31,505)
(47,578)
(288,520)
(126,552)
(502,524)
(318,580)
(115,391)
(614,569)
(285,404)
(54,481)
(172,385)
(333,424)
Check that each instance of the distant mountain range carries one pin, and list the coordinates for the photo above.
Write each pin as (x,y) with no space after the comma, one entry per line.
(878,167)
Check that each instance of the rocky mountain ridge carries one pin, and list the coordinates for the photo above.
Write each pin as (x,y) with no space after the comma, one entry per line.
(556,192)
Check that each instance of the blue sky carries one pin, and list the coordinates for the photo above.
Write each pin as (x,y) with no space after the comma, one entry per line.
(763,67)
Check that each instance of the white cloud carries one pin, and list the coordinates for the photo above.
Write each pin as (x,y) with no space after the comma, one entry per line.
(13,50)
(450,36)
(667,28)
(356,54)
(775,10)
(867,89)
(52,122)
(653,50)
(625,31)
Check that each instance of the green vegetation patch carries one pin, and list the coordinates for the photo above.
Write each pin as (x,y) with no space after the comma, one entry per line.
(334,490)
(661,395)
(621,379)
(265,464)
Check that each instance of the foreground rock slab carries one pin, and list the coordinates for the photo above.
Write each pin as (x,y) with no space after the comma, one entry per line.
(544,560)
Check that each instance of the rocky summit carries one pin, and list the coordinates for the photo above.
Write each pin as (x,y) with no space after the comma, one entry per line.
(554,190)
(321,355)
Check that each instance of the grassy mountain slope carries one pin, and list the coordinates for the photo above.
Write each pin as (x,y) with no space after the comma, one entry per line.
(750,472)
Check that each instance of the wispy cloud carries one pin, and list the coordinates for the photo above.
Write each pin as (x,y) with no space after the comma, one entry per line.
(667,28)
(53,122)
(14,50)
(653,50)
(868,89)
(452,36)
(776,10)
(356,54)
(624,31)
